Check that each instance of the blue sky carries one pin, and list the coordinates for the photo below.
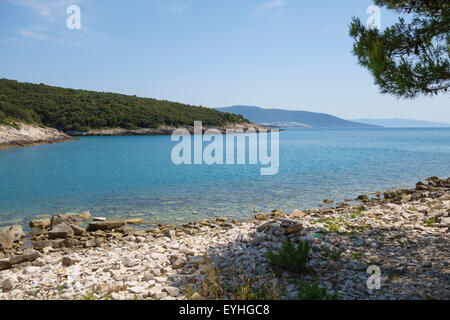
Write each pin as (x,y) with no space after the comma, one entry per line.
(287,54)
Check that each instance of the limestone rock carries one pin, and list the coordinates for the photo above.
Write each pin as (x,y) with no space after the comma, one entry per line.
(172,291)
(68,261)
(61,230)
(40,223)
(61,218)
(106,225)
(9,235)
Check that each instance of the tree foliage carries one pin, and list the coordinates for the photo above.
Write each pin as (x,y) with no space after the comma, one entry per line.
(410,58)
(69,109)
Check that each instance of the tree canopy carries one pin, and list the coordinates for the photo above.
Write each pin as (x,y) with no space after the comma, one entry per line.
(410,58)
(81,110)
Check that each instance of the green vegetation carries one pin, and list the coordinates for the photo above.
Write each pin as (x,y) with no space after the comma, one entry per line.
(81,110)
(430,222)
(89,296)
(291,257)
(411,57)
(314,292)
(357,212)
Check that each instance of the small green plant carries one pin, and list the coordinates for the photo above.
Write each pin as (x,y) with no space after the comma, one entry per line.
(430,222)
(89,296)
(357,212)
(60,288)
(333,227)
(412,209)
(291,257)
(314,292)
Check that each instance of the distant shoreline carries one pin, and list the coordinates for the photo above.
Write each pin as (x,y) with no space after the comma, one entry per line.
(164,130)
(25,135)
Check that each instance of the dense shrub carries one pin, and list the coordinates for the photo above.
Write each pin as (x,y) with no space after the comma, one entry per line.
(69,109)
(291,257)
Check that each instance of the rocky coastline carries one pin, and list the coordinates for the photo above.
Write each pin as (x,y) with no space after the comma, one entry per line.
(403,232)
(22,135)
(163,130)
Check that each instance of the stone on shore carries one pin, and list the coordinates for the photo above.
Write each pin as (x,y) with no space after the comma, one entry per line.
(105,225)
(10,235)
(68,261)
(112,224)
(40,223)
(28,255)
(62,218)
(61,230)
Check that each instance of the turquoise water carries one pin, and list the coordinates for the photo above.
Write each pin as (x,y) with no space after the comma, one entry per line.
(134,176)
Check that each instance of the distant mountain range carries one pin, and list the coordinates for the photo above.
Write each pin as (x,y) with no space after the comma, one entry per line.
(289,118)
(403,123)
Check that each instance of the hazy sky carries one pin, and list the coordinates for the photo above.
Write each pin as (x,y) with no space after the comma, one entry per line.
(289,54)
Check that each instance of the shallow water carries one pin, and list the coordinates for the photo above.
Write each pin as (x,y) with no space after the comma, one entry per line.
(134,176)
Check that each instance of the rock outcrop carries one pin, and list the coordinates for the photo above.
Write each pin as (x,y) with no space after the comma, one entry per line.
(21,135)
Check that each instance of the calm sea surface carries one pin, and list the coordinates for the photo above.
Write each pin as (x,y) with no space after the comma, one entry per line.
(134,176)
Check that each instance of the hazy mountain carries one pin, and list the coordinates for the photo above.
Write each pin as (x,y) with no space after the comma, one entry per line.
(403,123)
(286,118)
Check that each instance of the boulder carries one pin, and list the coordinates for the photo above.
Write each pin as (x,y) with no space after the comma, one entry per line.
(172,291)
(68,261)
(9,283)
(125,230)
(5,264)
(39,245)
(28,255)
(90,244)
(78,231)
(389,194)
(40,223)
(106,225)
(422,185)
(61,230)
(9,235)
(293,229)
(363,197)
(61,218)
(196,296)
(445,221)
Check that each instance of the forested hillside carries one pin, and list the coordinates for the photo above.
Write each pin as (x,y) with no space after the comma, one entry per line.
(69,109)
